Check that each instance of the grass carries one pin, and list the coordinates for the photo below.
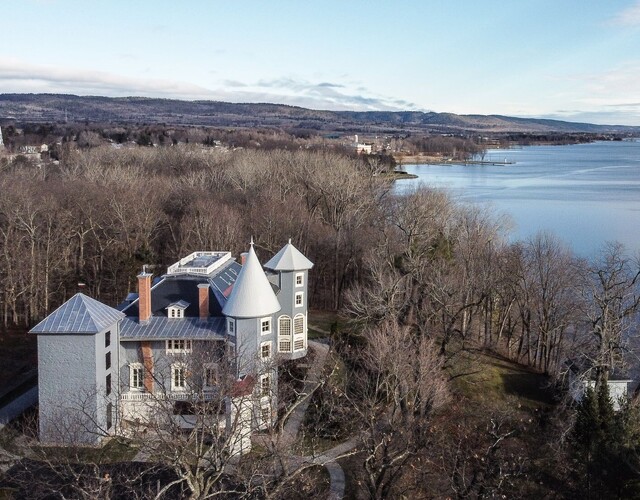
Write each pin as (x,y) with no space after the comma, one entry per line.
(488,378)
(321,322)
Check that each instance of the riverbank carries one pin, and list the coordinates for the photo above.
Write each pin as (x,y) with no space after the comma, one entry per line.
(438,160)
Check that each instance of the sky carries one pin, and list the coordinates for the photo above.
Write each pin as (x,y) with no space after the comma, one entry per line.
(576,60)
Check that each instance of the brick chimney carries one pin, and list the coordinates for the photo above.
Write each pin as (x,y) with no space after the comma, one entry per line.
(203,300)
(243,257)
(144,296)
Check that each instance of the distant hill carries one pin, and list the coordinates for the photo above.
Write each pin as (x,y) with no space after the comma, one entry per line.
(53,108)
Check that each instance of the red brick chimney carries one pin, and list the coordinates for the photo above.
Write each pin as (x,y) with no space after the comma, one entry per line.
(203,300)
(144,296)
(243,257)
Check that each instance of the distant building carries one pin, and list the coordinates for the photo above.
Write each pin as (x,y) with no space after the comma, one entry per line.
(100,368)
(364,148)
(580,380)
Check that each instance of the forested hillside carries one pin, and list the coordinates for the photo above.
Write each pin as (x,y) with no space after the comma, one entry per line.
(425,286)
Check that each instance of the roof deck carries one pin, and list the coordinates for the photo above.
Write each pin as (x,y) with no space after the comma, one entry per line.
(202,263)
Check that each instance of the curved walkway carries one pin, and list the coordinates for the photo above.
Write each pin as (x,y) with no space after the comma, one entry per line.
(292,426)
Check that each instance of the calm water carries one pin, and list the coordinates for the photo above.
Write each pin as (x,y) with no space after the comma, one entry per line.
(587,194)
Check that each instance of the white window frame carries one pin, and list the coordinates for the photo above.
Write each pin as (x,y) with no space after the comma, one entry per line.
(231,326)
(209,368)
(262,346)
(175,367)
(132,368)
(299,338)
(176,313)
(265,411)
(285,340)
(299,295)
(299,277)
(265,385)
(262,322)
(178,346)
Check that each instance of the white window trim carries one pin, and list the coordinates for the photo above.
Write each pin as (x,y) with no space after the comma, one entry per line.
(262,320)
(264,344)
(174,368)
(171,349)
(301,276)
(132,367)
(295,299)
(231,327)
(175,312)
(263,393)
(265,409)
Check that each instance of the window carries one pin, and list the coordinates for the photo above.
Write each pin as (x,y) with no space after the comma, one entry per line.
(109,416)
(107,361)
(178,346)
(176,312)
(265,385)
(265,350)
(298,325)
(178,377)
(284,326)
(284,334)
(231,327)
(136,376)
(299,301)
(284,346)
(107,383)
(107,339)
(210,375)
(265,325)
(300,279)
(265,415)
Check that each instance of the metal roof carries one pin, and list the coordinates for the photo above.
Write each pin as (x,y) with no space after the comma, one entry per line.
(252,295)
(159,328)
(289,258)
(79,314)
(181,304)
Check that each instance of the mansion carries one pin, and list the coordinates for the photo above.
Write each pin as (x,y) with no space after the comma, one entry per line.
(102,368)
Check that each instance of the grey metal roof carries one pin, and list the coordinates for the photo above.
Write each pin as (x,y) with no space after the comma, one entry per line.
(181,304)
(160,328)
(289,258)
(79,314)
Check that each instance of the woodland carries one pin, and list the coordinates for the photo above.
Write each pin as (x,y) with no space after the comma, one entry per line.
(451,347)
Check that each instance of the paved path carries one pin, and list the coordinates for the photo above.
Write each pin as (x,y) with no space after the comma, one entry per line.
(18,406)
(291,428)
(294,422)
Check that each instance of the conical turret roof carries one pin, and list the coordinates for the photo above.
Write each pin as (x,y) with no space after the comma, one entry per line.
(252,295)
(289,258)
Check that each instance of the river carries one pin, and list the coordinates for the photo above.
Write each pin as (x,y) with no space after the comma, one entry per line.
(585,193)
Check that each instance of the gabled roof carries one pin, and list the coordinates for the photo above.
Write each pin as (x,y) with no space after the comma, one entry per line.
(289,258)
(252,295)
(181,304)
(79,314)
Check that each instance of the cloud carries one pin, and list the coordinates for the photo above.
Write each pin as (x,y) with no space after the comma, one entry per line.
(14,74)
(629,16)
(17,76)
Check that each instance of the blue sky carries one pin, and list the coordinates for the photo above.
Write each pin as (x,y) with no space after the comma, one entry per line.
(565,59)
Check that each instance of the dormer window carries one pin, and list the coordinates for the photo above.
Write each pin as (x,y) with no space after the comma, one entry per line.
(176,310)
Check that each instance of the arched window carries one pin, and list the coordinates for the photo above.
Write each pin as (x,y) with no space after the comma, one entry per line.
(284,334)
(299,339)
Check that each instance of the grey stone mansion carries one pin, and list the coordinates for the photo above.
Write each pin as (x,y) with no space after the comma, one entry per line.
(101,367)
